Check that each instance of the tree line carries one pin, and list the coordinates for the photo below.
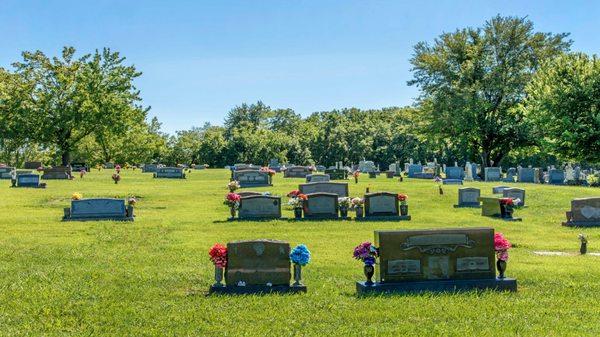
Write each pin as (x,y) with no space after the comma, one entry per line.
(499,94)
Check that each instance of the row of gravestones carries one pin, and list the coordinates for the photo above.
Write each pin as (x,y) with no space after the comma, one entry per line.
(409,261)
(322,203)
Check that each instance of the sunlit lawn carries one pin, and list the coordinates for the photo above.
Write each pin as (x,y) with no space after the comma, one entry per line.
(149,277)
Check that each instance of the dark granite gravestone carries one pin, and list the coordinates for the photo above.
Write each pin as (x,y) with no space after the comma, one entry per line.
(337,174)
(321,206)
(252,178)
(317,178)
(436,260)
(150,168)
(169,172)
(493,174)
(78,167)
(244,167)
(499,189)
(248,193)
(414,170)
(259,207)
(29,180)
(511,175)
(382,206)
(98,209)
(527,175)
(515,193)
(341,189)
(5,172)
(556,177)
(585,212)
(59,172)
(454,175)
(32,165)
(258,266)
(296,172)
(468,197)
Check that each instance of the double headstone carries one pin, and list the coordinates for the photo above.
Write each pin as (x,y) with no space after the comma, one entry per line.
(528,175)
(99,209)
(296,172)
(436,260)
(585,212)
(78,167)
(382,206)
(337,173)
(252,178)
(29,180)
(169,172)
(32,165)
(316,178)
(152,168)
(59,172)
(321,206)
(259,207)
(339,189)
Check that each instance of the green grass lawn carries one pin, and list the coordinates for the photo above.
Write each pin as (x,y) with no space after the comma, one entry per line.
(150,277)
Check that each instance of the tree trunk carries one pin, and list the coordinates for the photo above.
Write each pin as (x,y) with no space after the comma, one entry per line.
(65,157)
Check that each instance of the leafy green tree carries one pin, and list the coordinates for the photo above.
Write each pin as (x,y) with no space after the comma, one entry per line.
(74,98)
(473,80)
(563,103)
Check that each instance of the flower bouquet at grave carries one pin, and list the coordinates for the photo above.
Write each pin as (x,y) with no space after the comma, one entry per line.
(233,186)
(270,172)
(357,205)
(76,196)
(82,173)
(501,246)
(131,201)
(118,168)
(439,182)
(344,203)
(296,202)
(232,200)
(367,253)
(403,199)
(507,206)
(300,257)
(356,174)
(218,256)
(116,177)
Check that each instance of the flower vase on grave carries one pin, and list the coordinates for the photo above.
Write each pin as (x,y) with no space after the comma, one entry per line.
(218,277)
(343,212)
(403,210)
(501,265)
(369,271)
(359,212)
(355,179)
(298,213)
(297,275)
(13,182)
(232,212)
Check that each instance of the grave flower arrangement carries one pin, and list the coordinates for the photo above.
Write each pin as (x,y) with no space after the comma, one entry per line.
(403,199)
(76,196)
(296,202)
(232,200)
(233,186)
(268,170)
(501,246)
(439,182)
(367,253)
(118,168)
(357,205)
(131,201)
(344,203)
(82,173)
(116,177)
(507,206)
(300,257)
(356,174)
(218,256)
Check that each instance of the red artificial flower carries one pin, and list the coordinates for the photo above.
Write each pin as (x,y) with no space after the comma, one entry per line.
(501,243)
(293,194)
(218,255)
(233,197)
(401,197)
(302,196)
(506,201)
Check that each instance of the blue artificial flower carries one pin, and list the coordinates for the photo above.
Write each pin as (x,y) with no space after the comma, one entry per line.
(369,260)
(300,255)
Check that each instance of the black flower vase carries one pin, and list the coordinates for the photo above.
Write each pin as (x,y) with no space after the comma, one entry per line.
(501,265)
(359,212)
(441,190)
(343,212)
(369,270)
(298,213)
(232,212)
(356,180)
(403,210)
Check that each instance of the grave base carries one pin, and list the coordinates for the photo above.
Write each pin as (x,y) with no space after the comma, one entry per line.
(452,182)
(506,284)
(384,218)
(235,290)
(98,219)
(581,224)
(254,185)
(476,205)
(322,218)
(259,219)
(505,219)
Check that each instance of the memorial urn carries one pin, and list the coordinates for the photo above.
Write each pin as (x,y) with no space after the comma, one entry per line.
(359,212)
(403,210)
(232,212)
(218,277)
(369,271)
(297,275)
(501,265)
(298,213)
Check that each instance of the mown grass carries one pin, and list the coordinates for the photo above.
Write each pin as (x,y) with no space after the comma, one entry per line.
(149,277)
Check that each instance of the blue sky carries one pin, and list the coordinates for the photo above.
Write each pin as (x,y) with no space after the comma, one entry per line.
(201,58)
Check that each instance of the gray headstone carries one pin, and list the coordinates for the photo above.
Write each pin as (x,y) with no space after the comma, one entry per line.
(499,189)
(169,172)
(468,197)
(493,174)
(98,209)
(381,204)
(556,177)
(251,178)
(260,207)
(515,193)
(340,189)
(28,180)
(527,175)
(321,206)
(316,178)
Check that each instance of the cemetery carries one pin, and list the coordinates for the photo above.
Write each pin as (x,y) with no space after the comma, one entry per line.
(340,168)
